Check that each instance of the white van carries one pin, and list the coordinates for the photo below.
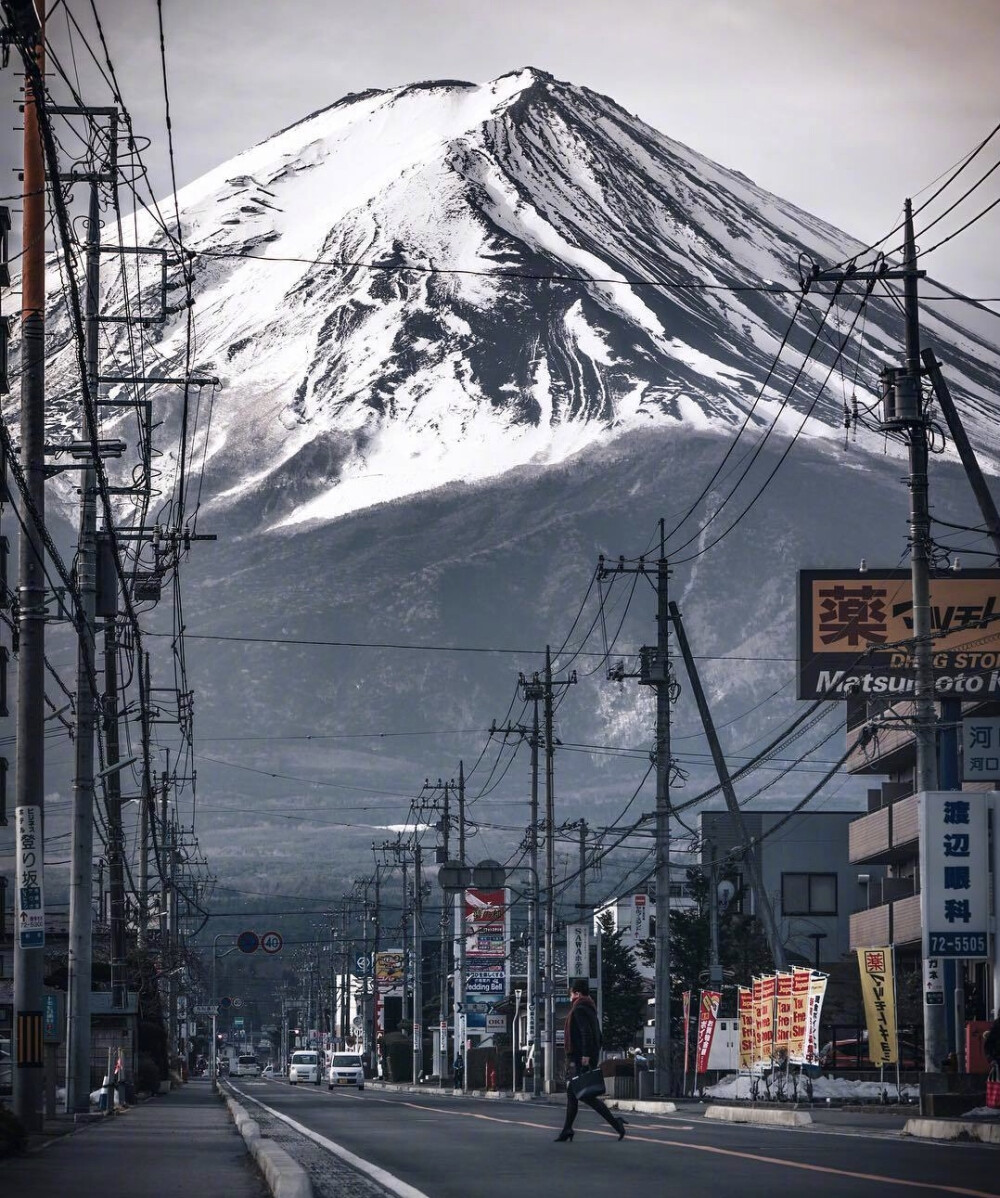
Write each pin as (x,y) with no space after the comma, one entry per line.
(304,1067)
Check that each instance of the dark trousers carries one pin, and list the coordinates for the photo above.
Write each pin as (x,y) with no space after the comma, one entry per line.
(595,1104)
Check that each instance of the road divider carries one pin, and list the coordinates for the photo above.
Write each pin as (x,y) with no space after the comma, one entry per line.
(767,1116)
(285,1177)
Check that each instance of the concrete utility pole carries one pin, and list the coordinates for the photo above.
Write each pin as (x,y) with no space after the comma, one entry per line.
(82,850)
(418,952)
(550,872)
(116,837)
(763,908)
(655,671)
(925,726)
(29,813)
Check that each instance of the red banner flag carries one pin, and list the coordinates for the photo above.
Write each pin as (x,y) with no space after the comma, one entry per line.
(708,1012)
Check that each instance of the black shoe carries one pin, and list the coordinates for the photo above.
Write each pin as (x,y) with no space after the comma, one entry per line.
(620,1128)
(565,1134)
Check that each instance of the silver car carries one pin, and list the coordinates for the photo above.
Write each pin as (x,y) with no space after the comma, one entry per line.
(345,1070)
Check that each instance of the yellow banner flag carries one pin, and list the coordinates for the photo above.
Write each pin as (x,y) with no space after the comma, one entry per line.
(880,1004)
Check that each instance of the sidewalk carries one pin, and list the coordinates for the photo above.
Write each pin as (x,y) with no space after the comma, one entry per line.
(180,1143)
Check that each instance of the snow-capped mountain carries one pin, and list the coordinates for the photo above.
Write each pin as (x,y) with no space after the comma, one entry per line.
(445,281)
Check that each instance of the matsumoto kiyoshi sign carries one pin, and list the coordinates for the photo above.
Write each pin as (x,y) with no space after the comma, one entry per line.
(856,634)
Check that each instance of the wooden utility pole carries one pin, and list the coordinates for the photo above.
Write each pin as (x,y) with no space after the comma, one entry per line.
(29,813)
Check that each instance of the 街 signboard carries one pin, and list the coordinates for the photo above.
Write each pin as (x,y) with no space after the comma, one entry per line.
(856,634)
(954,884)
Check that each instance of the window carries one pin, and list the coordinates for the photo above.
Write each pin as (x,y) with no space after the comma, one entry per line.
(809,894)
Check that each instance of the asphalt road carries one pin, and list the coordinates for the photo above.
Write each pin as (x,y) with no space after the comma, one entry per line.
(448,1147)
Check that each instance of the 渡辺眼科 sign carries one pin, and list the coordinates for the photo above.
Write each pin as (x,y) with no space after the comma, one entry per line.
(856,634)
(954,883)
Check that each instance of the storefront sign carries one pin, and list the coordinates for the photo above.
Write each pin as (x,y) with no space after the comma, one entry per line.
(954,882)
(856,634)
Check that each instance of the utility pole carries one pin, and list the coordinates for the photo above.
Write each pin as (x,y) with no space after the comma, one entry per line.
(655,671)
(714,965)
(82,850)
(116,837)
(935,1026)
(763,906)
(418,952)
(29,945)
(549,688)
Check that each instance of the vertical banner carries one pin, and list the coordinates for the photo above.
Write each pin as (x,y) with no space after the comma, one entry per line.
(708,1012)
(763,991)
(817,992)
(640,926)
(745,1008)
(782,1016)
(686,1001)
(486,955)
(29,916)
(578,950)
(878,991)
(800,1015)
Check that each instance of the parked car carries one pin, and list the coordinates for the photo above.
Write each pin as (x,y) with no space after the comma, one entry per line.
(853,1054)
(246,1065)
(345,1070)
(304,1067)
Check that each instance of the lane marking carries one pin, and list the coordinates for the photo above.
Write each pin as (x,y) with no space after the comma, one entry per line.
(746,1156)
(390,1181)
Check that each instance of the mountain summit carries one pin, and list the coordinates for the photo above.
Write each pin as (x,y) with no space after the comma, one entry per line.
(444,281)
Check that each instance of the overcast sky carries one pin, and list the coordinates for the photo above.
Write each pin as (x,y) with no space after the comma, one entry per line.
(842,106)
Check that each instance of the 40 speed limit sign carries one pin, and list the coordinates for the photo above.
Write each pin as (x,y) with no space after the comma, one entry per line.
(271,942)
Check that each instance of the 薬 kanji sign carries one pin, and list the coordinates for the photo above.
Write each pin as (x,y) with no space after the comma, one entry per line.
(954,884)
(856,632)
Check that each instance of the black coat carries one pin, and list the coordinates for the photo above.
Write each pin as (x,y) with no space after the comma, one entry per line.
(583,1030)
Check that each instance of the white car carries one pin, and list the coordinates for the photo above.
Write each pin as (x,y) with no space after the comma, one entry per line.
(246,1065)
(304,1067)
(345,1070)
(269,1071)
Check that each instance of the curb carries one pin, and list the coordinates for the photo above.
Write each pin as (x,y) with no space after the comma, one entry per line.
(761,1115)
(285,1177)
(952,1129)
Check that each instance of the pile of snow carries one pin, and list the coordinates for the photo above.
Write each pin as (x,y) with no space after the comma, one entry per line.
(841,1089)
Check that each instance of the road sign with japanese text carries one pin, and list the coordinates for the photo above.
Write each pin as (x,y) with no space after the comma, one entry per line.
(30,913)
(954,882)
(980,748)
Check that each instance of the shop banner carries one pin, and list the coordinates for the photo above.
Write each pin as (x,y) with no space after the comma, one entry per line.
(800,1015)
(817,992)
(878,991)
(764,1019)
(708,1013)
(745,1008)
(782,1015)
(389,969)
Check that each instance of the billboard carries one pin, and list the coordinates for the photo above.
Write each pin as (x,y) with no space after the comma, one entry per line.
(954,875)
(487,932)
(856,634)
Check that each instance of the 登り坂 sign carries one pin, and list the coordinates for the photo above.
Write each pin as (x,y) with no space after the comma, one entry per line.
(954,884)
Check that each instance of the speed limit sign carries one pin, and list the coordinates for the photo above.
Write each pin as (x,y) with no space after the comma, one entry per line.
(271,942)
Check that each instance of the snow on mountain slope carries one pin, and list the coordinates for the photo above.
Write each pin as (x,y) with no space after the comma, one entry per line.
(432,284)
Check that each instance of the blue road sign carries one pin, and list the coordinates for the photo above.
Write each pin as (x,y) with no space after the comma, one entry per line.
(248,942)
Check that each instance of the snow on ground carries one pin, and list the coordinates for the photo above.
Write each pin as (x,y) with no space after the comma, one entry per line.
(841,1089)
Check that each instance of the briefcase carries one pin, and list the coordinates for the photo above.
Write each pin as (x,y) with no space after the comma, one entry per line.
(589,1083)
